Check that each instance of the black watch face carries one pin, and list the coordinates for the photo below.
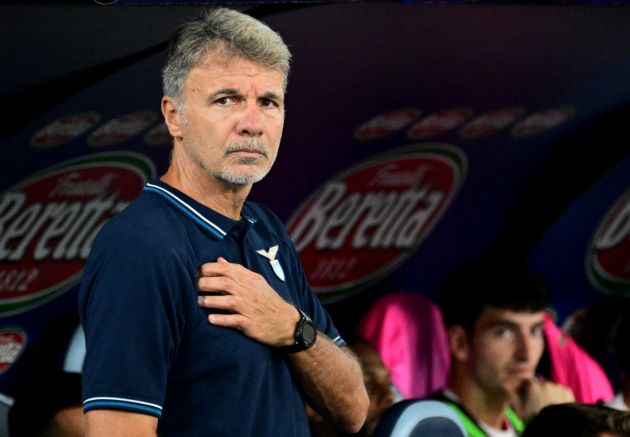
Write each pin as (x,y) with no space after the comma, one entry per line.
(308,334)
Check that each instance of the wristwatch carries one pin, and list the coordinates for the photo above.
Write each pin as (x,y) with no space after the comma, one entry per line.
(305,333)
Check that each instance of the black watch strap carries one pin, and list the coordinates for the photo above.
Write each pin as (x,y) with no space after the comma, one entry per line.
(305,333)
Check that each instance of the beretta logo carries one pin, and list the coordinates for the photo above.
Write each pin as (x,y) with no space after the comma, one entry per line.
(65,129)
(49,220)
(364,222)
(542,121)
(121,128)
(439,123)
(490,122)
(158,136)
(386,124)
(12,344)
(608,257)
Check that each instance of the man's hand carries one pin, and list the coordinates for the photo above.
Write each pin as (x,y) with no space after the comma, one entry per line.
(256,309)
(534,394)
(329,375)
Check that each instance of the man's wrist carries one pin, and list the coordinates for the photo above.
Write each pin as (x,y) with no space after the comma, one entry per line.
(304,335)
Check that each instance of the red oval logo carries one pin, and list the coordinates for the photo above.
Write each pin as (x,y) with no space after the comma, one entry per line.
(49,221)
(386,124)
(438,123)
(12,344)
(364,222)
(121,128)
(158,136)
(542,121)
(608,258)
(490,122)
(65,129)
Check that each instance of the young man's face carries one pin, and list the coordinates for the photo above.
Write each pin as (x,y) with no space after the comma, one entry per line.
(233,120)
(505,348)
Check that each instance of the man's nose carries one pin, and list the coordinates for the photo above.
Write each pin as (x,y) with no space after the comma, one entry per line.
(525,347)
(251,123)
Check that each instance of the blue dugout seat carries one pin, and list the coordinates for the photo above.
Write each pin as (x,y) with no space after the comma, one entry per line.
(420,418)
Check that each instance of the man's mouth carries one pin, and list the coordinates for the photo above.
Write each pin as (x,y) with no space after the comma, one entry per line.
(521,371)
(247,149)
(249,152)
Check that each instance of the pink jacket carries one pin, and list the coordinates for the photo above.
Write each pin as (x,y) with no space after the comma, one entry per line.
(572,367)
(407,331)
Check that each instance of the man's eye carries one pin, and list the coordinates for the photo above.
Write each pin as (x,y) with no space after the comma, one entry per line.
(224,100)
(268,103)
(502,332)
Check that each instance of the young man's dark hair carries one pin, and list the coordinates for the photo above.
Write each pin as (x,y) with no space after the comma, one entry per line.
(578,420)
(489,280)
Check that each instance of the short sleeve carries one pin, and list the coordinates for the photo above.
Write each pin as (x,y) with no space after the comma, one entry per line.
(132,320)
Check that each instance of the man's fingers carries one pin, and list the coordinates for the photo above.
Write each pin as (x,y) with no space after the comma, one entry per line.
(232,269)
(212,269)
(536,394)
(226,302)
(219,268)
(215,284)
(235,321)
(559,394)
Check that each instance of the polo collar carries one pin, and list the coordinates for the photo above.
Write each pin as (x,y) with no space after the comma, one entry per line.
(211,221)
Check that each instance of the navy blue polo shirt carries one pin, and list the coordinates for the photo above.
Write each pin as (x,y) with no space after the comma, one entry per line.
(150,347)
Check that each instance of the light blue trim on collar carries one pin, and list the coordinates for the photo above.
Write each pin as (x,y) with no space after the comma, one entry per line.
(250,219)
(188,210)
(339,341)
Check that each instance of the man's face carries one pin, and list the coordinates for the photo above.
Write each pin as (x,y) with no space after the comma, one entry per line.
(505,348)
(233,118)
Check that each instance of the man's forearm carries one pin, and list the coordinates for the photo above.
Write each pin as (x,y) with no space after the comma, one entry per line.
(112,423)
(331,378)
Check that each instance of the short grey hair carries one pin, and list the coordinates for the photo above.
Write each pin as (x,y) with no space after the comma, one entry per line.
(234,33)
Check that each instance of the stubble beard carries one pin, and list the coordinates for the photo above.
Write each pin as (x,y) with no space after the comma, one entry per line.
(257,165)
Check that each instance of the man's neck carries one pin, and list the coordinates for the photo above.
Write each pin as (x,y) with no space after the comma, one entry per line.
(225,198)
(488,408)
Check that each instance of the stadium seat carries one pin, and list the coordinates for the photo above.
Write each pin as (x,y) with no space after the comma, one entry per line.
(407,331)
(5,405)
(420,418)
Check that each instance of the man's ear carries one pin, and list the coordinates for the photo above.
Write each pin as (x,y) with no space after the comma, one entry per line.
(458,342)
(172,116)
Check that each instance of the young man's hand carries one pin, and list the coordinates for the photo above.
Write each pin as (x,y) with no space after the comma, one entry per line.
(535,394)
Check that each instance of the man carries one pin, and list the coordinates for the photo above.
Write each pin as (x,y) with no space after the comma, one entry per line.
(494,313)
(241,358)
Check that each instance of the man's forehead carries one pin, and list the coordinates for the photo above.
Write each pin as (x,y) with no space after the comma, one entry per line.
(492,315)
(221,61)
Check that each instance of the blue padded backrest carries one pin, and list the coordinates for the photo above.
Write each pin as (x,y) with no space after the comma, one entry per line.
(420,418)
(5,404)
